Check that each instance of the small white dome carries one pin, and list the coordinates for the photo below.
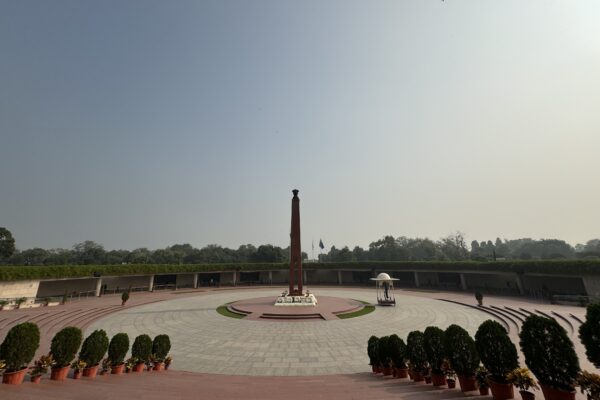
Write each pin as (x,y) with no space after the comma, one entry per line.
(383,277)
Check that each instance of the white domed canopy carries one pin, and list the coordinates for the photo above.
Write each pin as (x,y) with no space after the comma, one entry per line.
(383,277)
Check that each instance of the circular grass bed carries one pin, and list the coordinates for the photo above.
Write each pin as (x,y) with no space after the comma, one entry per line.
(223,310)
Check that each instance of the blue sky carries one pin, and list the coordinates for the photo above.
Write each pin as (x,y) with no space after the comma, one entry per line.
(152,123)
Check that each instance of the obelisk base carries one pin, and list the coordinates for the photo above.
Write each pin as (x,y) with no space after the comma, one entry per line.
(307,299)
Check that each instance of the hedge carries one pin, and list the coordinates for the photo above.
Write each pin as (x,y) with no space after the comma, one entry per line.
(560,267)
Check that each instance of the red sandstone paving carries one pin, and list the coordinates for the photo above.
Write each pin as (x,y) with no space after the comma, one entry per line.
(181,385)
(327,307)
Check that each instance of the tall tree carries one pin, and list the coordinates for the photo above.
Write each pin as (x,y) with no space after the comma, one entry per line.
(7,243)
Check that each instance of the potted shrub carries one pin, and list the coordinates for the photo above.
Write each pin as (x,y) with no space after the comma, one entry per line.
(141,350)
(373,351)
(398,356)
(63,348)
(499,356)
(462,355)
(415,351)
(479,298)
(450,378)
(124,297)
(589,334)
(550,355)
(117,350)
(106,363)
(522,379)
(384,355)
(434,348)
(78,367)
(589,384)
(20,301)
(481,377)
(40,367)
(131,363)
(17,350)
(161,345)
(93,349)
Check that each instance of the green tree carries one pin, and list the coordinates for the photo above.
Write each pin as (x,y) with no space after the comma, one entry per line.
(7,243)
(88,252)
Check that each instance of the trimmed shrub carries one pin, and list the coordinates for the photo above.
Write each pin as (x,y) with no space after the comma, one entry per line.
(94,347)
(124,297)
(415,349)
(549,352)
(397,351)
(19,346)
(569,267)
(498,354)
(383,351)
(589,334)
(142,348)
(372,350)
(65,344)
(160,347)
(434,348)
(461,351)
(118,348)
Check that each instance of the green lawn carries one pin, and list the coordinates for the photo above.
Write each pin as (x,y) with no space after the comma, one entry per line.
(223,310)
(367,309)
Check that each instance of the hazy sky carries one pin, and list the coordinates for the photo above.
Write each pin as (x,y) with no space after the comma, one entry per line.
(149,123)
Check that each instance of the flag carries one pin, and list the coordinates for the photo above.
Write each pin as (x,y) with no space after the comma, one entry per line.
(321,245)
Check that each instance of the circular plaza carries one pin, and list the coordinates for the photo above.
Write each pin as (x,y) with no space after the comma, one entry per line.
(207,342)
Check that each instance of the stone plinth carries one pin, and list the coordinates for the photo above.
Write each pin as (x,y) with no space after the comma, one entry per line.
(294,301)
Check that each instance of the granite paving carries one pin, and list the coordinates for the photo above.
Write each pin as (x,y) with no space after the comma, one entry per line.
(206,342)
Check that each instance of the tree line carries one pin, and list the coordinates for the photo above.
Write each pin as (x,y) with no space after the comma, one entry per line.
(453,247)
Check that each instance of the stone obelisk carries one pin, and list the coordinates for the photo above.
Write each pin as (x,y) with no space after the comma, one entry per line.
(295,251)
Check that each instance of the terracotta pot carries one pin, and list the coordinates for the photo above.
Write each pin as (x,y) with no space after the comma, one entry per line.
(159,366)
(527,395)
(91,371)
(551,393)
(484,391)
(139,367)
(387,371)
(59,373)
(417,376)
(451,383)
(502,391)
(402,373)
(427,379)
(36,379)
(467,383)
(438,380)
(117,369)
(14,378)
(77,374)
